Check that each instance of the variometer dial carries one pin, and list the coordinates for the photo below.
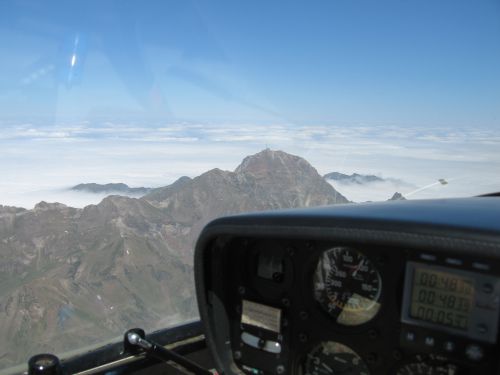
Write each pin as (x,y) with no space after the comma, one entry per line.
(347,286)
(333,358)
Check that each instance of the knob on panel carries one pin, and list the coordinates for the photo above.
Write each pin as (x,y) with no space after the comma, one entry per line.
(44,364)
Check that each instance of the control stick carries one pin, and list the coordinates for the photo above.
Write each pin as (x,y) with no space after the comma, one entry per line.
(135,342)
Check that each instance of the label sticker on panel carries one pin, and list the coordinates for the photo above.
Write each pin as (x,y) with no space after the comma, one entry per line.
(262,316)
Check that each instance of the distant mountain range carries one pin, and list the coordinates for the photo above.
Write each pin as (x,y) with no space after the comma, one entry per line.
(117,188)
(158,193)
(73,277)
(353,178)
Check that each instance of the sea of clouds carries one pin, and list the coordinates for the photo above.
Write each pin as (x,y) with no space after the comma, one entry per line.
(41,163)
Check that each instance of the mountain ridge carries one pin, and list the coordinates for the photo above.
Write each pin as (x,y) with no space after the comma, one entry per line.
(127,261)
(353,178)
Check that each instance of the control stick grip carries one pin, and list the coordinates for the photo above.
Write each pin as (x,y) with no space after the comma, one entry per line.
(135,339)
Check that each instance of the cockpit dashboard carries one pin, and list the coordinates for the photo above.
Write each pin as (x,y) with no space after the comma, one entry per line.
(395,288)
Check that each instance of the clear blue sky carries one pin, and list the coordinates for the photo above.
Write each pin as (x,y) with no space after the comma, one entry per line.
(422,62)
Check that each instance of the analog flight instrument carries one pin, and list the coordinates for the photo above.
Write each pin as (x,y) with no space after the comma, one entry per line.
(347,285)
(332,358)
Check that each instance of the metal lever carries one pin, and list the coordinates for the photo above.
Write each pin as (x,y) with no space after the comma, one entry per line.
(133,339)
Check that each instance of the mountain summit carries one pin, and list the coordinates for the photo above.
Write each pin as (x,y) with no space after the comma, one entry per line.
(287,180)
(264,181)
(275,165)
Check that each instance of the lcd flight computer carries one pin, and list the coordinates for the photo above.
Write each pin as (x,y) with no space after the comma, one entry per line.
(456,301)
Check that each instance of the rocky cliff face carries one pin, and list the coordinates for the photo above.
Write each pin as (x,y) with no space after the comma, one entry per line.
(74,277)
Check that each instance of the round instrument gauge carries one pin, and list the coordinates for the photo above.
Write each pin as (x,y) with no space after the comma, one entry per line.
(330,358)
(428,365)
(347,286)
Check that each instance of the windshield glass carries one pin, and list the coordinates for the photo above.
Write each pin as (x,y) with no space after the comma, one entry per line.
(125,126)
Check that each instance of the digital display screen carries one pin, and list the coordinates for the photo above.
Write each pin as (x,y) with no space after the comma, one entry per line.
(443,298)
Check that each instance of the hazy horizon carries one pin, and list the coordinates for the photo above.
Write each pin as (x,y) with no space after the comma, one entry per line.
(39,163)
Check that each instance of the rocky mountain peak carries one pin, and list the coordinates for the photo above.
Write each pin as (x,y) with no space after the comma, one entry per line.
(269,163)
(397,197)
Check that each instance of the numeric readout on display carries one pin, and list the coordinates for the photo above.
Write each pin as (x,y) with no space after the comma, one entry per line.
(442,298)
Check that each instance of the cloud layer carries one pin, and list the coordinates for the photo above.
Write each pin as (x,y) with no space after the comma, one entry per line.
(36,162)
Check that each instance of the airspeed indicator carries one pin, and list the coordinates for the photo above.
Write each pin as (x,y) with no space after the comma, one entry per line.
(347,286)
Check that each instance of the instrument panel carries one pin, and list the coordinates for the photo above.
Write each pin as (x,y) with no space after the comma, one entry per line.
(329,304)
(348,309)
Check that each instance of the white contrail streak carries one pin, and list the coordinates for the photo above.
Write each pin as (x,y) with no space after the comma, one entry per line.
(441,181)
(422,188)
